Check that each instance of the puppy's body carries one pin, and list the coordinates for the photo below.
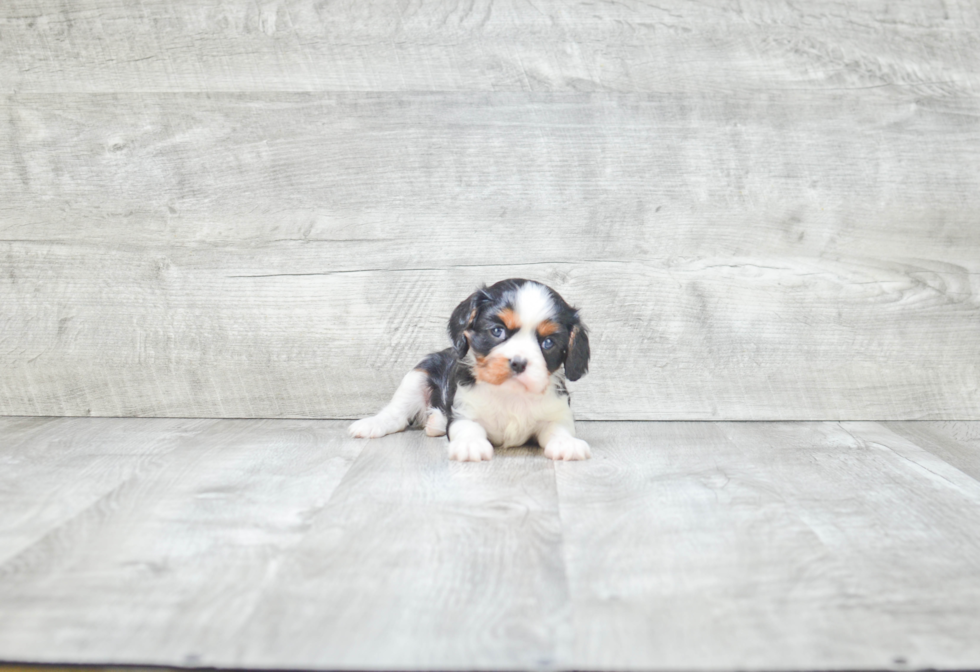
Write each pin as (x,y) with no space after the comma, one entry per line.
(510,416)
(503,380)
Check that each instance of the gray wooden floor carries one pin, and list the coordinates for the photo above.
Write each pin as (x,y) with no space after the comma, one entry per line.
(283,543)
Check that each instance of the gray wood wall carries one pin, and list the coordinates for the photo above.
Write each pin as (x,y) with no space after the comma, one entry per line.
(238,209)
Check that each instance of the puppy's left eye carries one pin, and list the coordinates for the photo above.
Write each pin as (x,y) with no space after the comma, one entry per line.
(547,343)
(497,332)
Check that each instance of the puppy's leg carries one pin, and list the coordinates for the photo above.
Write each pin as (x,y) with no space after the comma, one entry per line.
(559,443)
(409,400)
(468,442)
(435,424)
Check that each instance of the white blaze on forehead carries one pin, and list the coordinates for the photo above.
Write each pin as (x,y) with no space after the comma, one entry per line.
(533,305)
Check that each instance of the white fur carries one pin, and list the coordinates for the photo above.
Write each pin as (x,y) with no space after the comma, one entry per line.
(435,424)
(468,442)
(560,444)
(524,344)
(523,406)
(509,413)
(533,304)
(408,402)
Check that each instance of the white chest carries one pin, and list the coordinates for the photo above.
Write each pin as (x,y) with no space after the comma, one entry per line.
(509,414)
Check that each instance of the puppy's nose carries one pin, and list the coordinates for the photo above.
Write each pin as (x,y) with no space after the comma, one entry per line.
(518,364)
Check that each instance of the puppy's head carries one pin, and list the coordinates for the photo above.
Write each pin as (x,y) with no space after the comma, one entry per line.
(517,333)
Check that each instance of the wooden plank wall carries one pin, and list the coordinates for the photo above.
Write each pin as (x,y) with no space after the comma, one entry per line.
(241,209)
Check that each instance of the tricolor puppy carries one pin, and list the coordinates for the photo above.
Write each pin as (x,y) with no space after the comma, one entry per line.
(502,382)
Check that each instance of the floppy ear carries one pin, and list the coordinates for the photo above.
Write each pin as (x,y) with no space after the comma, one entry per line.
(462,320)
(577,357)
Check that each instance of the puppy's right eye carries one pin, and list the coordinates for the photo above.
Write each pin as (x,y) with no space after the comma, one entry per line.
(497,332)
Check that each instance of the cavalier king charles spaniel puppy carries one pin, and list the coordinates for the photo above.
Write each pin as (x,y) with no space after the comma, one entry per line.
(503,380)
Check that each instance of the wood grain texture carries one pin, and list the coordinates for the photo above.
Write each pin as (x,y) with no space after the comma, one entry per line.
(812,256)
(716,339)
(413,562)
(247,210)
(465,177)
(486,45)
(679,546)
(422,563)
(957,443)
(768,546)
(177,552)
(53,470)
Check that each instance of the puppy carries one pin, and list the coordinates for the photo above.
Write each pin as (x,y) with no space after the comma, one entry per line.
(502,382)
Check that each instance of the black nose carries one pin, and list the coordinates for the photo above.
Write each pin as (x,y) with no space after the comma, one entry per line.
(518,364)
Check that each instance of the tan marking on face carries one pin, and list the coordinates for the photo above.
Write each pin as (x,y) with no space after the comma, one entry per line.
(547,328)
(493,370)
(509,318)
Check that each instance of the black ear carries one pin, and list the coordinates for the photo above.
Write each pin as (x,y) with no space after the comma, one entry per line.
(577,357)
(463,318)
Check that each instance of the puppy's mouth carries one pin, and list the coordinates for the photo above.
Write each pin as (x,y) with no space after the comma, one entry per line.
(529,384)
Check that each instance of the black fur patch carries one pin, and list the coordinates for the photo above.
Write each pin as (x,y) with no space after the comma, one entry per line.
(577,359)
(562,390)
(440,367)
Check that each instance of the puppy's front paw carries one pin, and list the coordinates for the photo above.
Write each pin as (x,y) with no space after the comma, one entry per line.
(373,427)
(470,450)
(564,447)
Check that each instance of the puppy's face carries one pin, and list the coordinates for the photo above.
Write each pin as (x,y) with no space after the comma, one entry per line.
(517,333)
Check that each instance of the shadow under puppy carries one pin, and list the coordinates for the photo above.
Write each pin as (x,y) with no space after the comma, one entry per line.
(503,380)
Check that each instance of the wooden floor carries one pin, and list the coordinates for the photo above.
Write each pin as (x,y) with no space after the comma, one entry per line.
(681,545)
